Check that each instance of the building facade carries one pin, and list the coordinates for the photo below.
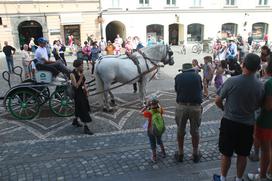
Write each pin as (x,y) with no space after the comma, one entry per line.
(183,20)
(54,19)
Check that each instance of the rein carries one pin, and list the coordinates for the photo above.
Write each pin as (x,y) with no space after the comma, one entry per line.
(152,61)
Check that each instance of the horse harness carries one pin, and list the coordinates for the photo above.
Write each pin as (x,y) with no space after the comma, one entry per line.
(137,63)
(141,74)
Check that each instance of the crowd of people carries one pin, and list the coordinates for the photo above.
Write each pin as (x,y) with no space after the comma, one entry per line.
(245,97)
(89,52)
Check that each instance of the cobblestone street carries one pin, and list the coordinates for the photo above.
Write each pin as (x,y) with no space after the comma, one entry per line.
(50,148)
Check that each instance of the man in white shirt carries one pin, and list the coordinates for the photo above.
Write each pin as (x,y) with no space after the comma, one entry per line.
(43,63)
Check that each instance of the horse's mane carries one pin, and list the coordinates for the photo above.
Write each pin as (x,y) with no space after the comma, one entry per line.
(156,52)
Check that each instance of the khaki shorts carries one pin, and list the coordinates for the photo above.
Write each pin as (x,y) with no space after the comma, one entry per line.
(185,112)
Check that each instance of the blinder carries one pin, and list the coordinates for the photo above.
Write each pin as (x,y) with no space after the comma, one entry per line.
(170,56)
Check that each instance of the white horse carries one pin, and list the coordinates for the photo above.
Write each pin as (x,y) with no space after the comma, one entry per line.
(111,69)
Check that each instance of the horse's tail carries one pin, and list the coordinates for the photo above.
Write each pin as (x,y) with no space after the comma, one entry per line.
(99,86)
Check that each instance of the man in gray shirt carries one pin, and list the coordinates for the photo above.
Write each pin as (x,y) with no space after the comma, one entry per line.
(243,95)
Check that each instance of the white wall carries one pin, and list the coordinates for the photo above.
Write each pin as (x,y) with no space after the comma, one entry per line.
(212,14)
(181,4)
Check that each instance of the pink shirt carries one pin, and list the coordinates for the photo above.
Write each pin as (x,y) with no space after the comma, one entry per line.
(86,50)
(128,47)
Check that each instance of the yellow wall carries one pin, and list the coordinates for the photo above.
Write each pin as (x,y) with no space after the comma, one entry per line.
(181,33)
(53,23)
(51,10)
(5,32)
(47,7)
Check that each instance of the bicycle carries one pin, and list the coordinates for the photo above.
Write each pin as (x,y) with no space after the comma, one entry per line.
(198,48)
(256,47)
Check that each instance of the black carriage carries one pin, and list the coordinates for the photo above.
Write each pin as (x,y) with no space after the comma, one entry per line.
(24,100)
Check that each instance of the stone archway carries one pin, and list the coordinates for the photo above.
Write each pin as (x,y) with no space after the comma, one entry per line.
(29,29)
(114,28)
(16,21)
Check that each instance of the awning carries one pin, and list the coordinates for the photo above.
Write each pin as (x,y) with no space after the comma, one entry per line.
(70,19)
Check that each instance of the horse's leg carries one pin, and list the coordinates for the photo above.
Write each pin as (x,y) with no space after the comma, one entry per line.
(142,90)
(112,99)
(106,102)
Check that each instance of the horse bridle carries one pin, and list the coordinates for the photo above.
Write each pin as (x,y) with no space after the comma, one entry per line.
(153,61)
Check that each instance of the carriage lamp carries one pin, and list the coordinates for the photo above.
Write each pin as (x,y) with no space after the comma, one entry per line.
(100,19)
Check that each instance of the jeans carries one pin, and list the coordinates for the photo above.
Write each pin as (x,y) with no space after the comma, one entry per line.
(154,140)
(10,64)
(63,58)
(93,64)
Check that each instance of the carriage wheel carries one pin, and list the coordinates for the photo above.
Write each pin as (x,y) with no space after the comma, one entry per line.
(61,104)
(194,49)
(23,104)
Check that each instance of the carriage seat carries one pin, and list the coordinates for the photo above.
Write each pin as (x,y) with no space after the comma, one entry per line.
(43,76)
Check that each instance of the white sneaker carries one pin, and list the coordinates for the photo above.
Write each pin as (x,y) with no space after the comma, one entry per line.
(269,176)
(59,79)
(253,177)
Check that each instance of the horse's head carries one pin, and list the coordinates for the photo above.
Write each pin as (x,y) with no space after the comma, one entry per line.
(159,53)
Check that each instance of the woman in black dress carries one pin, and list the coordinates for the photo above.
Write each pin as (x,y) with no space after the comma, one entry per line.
(82,106)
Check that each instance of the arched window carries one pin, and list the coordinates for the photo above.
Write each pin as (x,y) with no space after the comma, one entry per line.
(229,29)
(195,32)
(114,28)
(259,30)
(155,31)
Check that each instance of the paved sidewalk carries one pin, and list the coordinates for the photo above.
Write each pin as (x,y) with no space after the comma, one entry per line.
(112,156)
(49,148)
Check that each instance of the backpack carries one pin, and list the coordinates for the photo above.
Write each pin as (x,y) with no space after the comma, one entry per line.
(158,126)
